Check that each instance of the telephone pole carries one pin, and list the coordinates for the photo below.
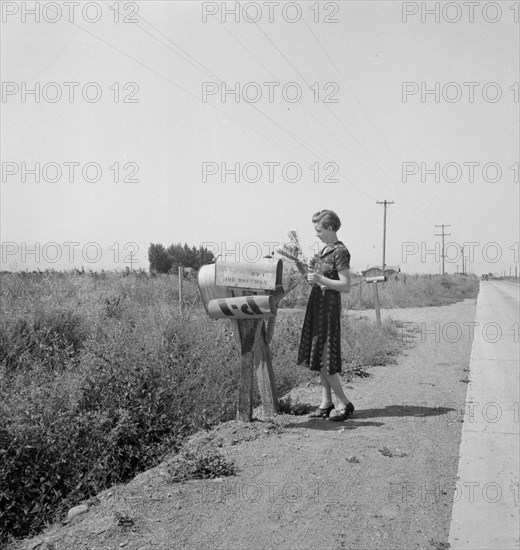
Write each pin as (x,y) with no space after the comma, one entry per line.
(443,235)
(384,203)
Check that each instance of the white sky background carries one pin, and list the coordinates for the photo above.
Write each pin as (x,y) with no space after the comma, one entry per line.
(170,132)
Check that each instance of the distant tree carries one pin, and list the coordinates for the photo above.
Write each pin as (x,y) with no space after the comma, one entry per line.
(160,261)
(164,260)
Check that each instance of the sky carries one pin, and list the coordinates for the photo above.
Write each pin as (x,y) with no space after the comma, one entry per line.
(227,124)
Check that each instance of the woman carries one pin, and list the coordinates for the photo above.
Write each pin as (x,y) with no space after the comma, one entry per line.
(320,345)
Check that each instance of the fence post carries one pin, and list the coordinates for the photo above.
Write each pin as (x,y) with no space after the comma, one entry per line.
(181,277)
(376,303)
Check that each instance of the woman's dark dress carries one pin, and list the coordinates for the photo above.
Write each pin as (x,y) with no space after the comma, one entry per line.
(320,344)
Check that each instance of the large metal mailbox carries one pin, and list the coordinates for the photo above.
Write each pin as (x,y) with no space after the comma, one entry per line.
(240,290)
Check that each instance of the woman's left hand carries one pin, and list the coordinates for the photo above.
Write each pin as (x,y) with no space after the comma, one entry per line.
(314,277)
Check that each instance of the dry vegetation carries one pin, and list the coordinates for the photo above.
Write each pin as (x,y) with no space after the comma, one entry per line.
(101,377)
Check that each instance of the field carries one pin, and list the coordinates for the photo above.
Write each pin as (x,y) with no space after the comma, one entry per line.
(101,376)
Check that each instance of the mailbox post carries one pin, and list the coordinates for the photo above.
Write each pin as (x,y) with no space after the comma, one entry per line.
(375,280)
(245,294)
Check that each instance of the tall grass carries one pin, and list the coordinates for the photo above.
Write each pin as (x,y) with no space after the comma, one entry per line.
(100,377)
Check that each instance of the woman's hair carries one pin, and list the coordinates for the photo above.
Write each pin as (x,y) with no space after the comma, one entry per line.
(328,219)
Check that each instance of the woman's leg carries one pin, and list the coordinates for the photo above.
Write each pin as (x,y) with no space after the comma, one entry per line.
(334,382)
(326,394)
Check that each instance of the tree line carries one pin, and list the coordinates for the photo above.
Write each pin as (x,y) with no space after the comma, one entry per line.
(168,260)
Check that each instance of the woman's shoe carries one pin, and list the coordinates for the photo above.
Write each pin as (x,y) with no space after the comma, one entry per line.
(343,414)
(322,413)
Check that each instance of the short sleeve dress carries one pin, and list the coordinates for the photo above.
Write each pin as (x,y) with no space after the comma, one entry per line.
(320,343)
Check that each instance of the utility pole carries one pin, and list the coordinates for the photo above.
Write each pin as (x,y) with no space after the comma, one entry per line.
(384,203)
(443,235)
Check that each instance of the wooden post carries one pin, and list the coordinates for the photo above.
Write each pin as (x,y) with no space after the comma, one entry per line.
(181,277)
(376,303)
(248,330)
(265,374)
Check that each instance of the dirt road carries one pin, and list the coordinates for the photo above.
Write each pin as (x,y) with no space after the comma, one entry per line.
(383,479)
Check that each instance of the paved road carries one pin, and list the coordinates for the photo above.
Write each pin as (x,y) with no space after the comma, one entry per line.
(486,509)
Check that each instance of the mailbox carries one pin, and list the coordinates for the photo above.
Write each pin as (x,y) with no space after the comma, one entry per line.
(378,279)
(240,290)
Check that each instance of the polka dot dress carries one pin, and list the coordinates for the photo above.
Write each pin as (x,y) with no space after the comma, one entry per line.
(320,344)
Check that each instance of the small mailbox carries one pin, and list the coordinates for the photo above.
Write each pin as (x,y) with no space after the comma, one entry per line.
(246,293)
(240,290)
(377,279)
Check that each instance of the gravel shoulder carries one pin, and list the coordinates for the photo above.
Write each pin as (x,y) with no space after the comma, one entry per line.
(382,480)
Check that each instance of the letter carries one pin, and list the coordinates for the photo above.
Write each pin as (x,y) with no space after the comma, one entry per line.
(471,485)
(436,251)
(35,92)
(57,94)
(9,169)
(208,8)
(471,10)
(257,492)
(458,253)
(436,92)
(445,332)
(407,404)
(285,172)
(258,255)
(497,168)
(472,329)
(470,409)
(56,258)
(408,489)
(245,94)
(496,337)
(97,16)
(496,492)
(407,249)
(298,95)
(234,91)
(71,245)
(458,12)
(209,168)
(56,12)
(435,171)
(471,245)
(97,177)
(285,12)
(26,252)
(425,492)
(245,12)
(471,86)
(235,252)
(270,7)
(224,172)
(407,327)
(226,12)
(209,88)
(35,12)
(9,8)
(291,492)
(9,249)
(85,92)
(270,166)
(471,169)
(86,256)
(458,174)
(497,256)
(407,169)
(72,173)
(35,172)
(498,12)
(70,86)
(45,174)
(71,12)
(498,92)
(271,86)
(9,88)
(408,88)
(407,9)
(445,94)
(435,11)
(494,417)
(436,331)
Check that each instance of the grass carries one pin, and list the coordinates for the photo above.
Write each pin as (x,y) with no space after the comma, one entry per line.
(101,378)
